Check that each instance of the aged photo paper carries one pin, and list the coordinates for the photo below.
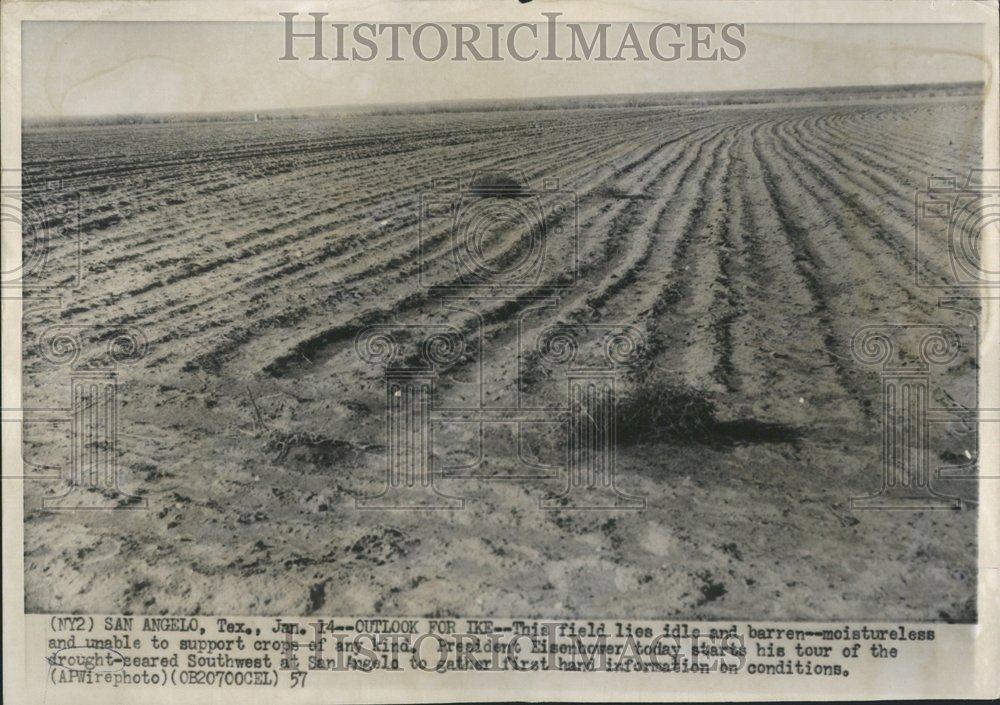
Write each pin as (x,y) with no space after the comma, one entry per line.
(471,351)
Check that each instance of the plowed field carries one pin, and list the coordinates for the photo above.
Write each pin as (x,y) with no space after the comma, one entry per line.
(745,245)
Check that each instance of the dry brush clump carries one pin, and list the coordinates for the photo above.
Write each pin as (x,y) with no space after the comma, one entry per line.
(497,184)
(658,410)
(311,448)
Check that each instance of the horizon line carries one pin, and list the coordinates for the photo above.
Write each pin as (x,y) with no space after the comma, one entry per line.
(441,102)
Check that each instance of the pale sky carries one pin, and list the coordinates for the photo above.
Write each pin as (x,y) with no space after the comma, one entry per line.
(88,68)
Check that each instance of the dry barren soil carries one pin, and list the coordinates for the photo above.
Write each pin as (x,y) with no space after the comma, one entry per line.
(744,244)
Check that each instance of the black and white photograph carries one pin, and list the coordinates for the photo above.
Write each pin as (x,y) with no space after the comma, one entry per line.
(548,319)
